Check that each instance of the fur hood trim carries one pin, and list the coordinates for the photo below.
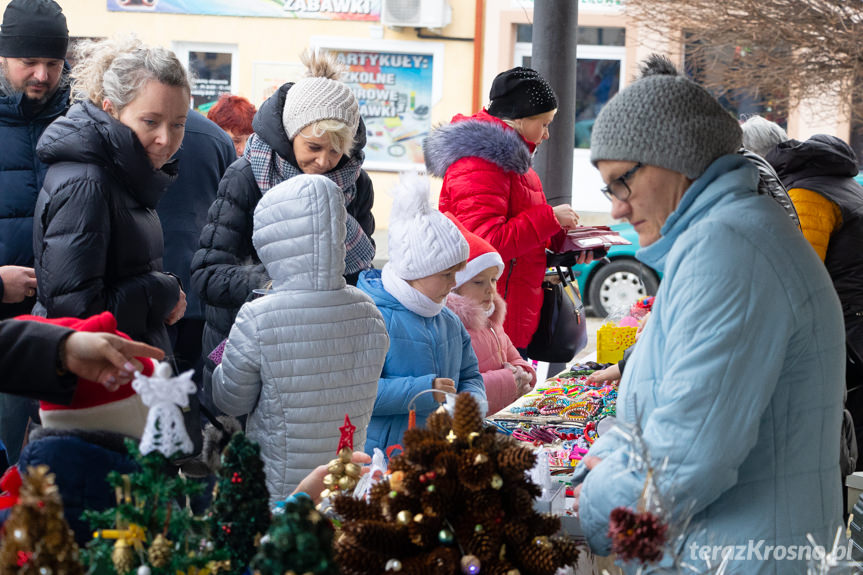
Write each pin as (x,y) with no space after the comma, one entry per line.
(488,139)
(472,315)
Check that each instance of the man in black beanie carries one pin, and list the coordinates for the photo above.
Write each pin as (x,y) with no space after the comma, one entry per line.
(33,93)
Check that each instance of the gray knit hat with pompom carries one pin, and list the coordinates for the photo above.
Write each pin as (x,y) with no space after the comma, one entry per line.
(664,119)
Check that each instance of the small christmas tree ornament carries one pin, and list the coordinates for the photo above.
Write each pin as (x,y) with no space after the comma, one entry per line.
(299,541)
(123,556)
(343,473)
(165,395)
(240,513)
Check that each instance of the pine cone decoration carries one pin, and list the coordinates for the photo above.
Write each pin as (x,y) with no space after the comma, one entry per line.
(639,536)
(439,423)
(516,459)
(537,557)
(467,417)
(566,550)
(356,509)
(123,557)
(483,546)
(515,533)
(160,551)
(475,469)
(547,523)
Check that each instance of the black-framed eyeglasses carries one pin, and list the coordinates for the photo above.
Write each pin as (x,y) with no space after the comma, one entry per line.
(618,188)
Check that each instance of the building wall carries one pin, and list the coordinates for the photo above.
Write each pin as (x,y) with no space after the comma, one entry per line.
(281,41)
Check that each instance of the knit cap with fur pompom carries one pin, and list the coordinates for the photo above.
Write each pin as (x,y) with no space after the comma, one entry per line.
(422,241)
(319,96)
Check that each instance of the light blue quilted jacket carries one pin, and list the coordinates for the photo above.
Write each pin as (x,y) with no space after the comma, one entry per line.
(738,381)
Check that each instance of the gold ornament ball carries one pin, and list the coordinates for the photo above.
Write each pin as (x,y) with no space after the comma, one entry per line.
(329,480)
(345,455)
(336,467)
(352,469)
(496,481)
(347,483)
(404,517)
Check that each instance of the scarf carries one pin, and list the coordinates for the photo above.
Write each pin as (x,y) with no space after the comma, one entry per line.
(271,169)
(409,296)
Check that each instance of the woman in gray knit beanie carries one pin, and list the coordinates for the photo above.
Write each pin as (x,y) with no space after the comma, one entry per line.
(745,326)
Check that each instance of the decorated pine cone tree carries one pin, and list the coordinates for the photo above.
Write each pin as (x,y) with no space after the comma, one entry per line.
(457,500)
(240,514)
(37,540)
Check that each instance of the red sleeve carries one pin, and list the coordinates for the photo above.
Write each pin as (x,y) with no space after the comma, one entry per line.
(479,195)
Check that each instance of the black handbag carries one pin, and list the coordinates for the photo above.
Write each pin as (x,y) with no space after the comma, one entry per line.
(562,329)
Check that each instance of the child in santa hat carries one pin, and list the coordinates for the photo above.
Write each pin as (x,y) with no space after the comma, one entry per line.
(429,347)
(82,441)
(481,309)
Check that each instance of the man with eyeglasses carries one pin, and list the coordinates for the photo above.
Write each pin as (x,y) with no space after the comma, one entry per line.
(736,382)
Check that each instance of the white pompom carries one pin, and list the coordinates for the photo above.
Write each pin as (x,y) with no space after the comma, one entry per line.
(410,196)
(144,570)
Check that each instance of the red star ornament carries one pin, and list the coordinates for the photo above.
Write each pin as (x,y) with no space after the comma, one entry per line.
(347,438)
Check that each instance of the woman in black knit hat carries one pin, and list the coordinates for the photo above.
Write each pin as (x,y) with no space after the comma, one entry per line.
(490,186)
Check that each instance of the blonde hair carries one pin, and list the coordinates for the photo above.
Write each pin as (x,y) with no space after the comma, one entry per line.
(116,69)
(340,134)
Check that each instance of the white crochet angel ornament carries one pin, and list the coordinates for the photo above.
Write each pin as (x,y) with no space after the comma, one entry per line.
(165,395)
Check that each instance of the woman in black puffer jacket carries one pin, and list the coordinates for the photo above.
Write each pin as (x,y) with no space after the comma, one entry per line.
(96,236)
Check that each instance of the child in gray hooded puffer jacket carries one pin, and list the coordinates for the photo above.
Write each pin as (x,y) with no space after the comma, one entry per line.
(310,351)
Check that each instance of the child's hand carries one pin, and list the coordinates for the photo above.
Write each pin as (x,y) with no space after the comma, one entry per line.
(444,384)
(510,367)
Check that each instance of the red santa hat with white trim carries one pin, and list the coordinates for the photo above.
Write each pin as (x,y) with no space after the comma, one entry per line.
(482,255)
(93,407)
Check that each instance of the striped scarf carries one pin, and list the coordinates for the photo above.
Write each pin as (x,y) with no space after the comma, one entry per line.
(271,169)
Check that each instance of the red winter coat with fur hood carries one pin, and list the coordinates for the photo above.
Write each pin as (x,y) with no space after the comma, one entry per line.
(490,186)
(492,348)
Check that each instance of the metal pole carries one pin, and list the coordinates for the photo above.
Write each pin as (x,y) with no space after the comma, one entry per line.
(555,23)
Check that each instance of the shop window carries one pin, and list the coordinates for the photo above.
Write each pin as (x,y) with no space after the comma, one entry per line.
(214,71)
(599,66)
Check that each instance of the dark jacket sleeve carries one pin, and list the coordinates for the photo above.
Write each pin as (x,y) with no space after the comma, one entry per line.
(72,263)
(226,267)
(28,361)
(361,208)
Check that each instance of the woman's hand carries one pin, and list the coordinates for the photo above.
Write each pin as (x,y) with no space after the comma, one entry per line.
(178,311)
(105,357)
(566,216)
(443,384)
(313,483)
(607,375)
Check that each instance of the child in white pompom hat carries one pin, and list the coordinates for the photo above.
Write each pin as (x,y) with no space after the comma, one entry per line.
(429,347)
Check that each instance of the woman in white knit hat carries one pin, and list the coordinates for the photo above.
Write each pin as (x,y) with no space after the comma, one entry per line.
(312,126)
(429,347)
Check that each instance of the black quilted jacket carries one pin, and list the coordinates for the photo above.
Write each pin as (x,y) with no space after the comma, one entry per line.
(97,239)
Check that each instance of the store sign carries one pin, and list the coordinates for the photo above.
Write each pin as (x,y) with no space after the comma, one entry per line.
(394,91)
(367,10)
